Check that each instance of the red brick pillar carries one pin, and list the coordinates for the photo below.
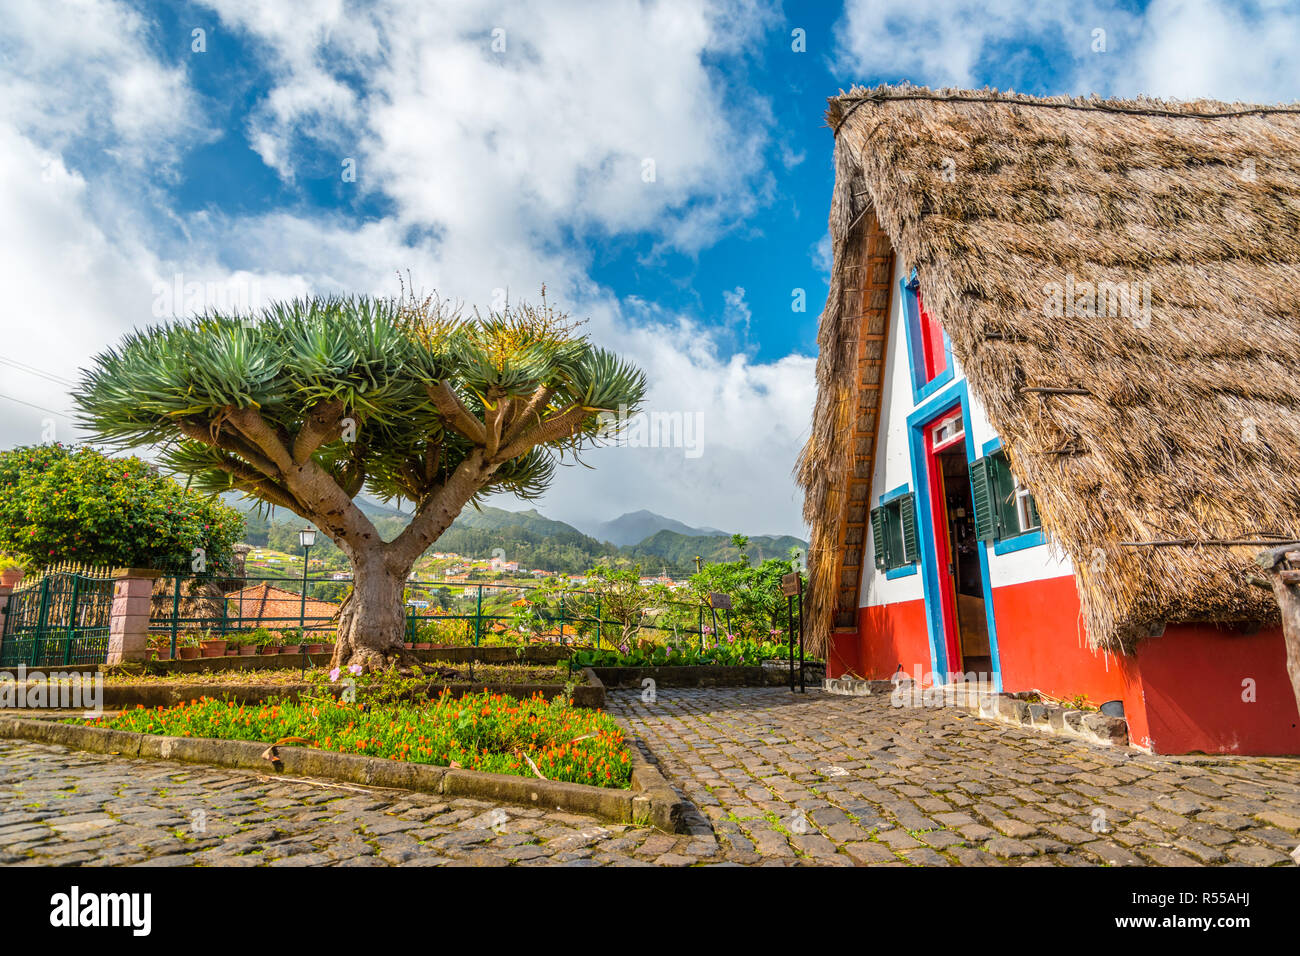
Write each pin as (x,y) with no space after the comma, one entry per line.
(128,622)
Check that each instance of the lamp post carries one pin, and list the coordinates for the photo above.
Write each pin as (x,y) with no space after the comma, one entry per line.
(306,538)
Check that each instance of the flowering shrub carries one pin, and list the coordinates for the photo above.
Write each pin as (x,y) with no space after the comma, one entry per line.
(489,732)
(60,503)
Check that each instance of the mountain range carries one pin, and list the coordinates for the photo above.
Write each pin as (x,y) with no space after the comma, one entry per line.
(536,541)
(636,526)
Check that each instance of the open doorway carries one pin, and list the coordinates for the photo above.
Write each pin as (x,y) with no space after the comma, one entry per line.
(956,548)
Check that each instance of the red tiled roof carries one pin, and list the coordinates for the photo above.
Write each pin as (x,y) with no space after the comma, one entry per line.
(274,607)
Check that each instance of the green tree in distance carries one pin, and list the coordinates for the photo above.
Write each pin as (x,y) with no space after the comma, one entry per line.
(310,402)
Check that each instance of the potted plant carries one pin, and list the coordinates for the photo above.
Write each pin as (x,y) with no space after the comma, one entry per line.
(187,646)
(290,641)
(11,570)
(212,646)
(264,642)
(243,643)
(160,647)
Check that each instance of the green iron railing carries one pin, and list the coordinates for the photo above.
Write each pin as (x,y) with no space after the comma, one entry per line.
(62,618)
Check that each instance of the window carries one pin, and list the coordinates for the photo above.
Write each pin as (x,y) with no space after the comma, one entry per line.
(948,431)
(893,532)
(927,345)
(1004,508)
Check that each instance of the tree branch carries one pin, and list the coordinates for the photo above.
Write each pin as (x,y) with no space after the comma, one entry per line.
(233,443)
(323,424)
(249,479)
(435,513)
(458,418)
(557,427)
(533,410)
(254,427)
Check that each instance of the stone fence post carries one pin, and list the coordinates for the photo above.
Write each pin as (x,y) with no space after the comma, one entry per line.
(5,591)
(128,622)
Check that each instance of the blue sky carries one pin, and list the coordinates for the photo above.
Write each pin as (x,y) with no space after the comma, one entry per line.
(501,145)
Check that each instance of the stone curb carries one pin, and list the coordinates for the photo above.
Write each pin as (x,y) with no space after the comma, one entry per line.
(1010,709)
(1090,726)
(851,687)
(125,697)
(705,675)
(650,801)
(445,655)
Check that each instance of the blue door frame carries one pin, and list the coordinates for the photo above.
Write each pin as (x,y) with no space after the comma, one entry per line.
(952,397)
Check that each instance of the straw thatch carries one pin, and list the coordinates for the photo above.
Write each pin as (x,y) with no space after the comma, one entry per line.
(1189,428)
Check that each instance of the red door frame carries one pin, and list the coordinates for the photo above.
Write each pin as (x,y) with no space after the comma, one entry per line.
(939,527)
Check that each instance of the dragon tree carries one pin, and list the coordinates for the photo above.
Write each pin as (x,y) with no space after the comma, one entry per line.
(309,403)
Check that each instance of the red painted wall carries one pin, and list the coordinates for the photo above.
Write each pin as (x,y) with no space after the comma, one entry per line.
(1192,682)
(842,656)
(893,634)
(1182,691)
(1042,644)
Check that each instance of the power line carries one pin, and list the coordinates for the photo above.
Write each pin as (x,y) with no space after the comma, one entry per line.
(33,370)
(41,408)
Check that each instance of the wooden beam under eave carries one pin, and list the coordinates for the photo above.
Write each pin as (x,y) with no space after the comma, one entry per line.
(866,301)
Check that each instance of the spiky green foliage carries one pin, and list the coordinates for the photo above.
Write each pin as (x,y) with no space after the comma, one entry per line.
(390,395)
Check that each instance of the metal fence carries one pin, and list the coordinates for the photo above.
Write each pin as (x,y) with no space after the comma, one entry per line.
(61,617)
(478,609)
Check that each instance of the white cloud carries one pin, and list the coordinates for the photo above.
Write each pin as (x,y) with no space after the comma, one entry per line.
(80,73)
(490,165)
(1174,48)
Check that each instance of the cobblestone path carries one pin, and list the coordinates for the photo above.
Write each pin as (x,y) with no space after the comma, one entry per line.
(852,780)
(64,807)
(773,780)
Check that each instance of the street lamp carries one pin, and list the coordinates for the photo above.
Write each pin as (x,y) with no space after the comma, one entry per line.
(306,538)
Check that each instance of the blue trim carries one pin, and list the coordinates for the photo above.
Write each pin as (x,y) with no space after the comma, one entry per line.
(894,495)
(921,389)
(903,570)
(1027,539)
(1019,542)
(957,395)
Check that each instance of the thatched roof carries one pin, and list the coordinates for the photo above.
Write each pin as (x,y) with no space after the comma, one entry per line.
(1190,425)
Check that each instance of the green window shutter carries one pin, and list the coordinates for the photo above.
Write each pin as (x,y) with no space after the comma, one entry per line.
(1033,513)
(907,517)
(879,537)
(984,497)
(1005,488)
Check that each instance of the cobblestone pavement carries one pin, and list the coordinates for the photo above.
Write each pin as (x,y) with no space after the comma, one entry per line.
(774,780)
(835,780)
(62,807)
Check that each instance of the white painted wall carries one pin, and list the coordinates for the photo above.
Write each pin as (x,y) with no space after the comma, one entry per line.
(894,468)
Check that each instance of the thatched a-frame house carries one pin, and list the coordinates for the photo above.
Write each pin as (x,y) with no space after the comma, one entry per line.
(1061,351)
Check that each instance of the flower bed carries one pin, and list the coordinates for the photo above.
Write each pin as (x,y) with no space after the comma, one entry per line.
(485,732)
